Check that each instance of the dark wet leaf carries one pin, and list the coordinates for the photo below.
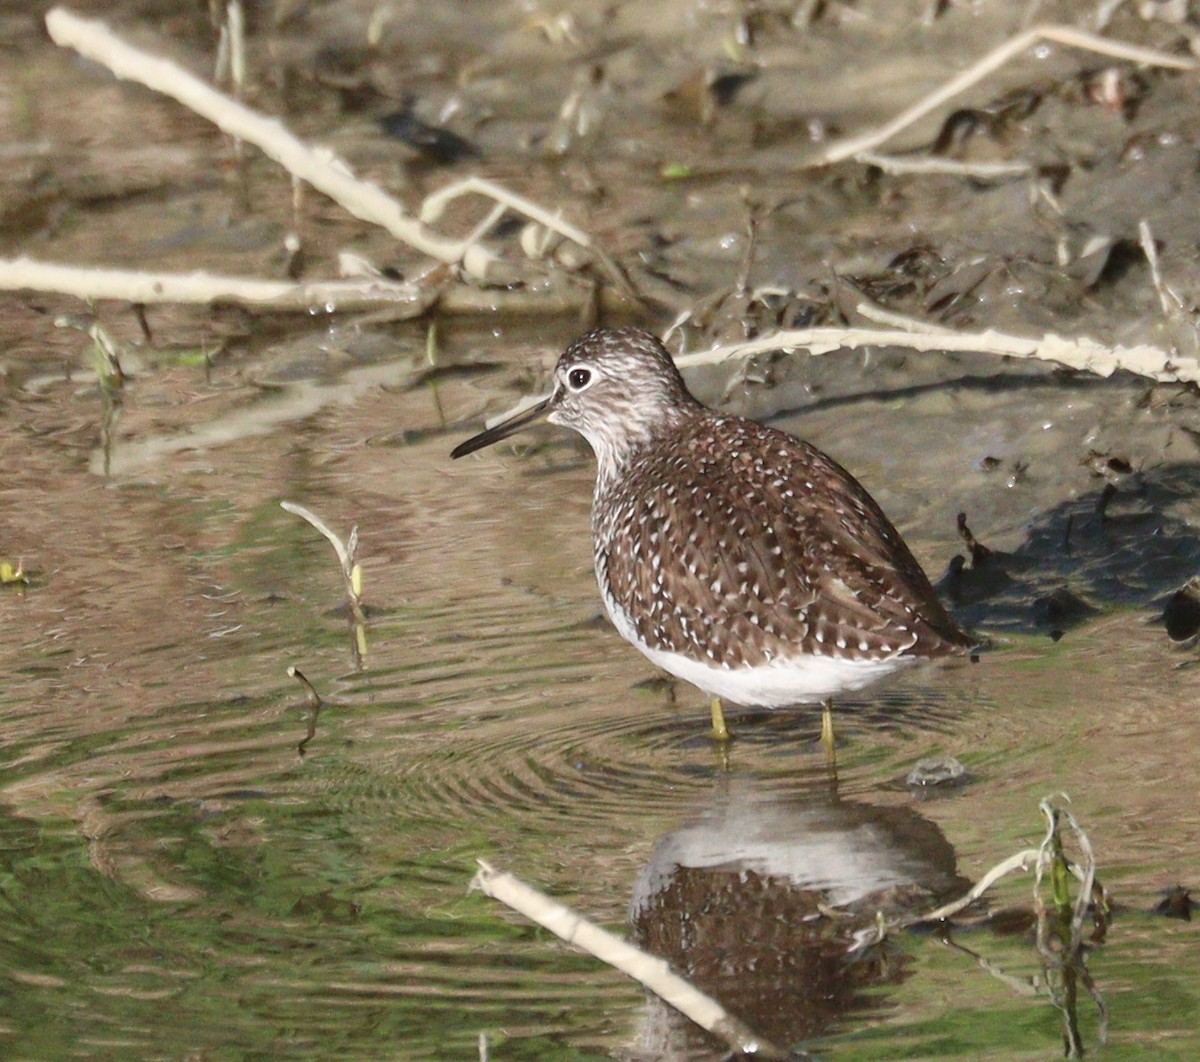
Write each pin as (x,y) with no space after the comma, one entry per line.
(963,585)
(1058,609)
(1182,613)
(433,142)
(959,127)
(1123,255)
(954,289)
(1106,465)
(725,87)
(1012,920)
(1177,902)
(327,908)
(916,261)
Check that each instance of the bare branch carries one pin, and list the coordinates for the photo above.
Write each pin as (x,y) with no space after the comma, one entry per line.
(853,147)
(27,274)
(649,970)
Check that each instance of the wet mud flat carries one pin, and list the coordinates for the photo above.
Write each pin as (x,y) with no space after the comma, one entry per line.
(181,878)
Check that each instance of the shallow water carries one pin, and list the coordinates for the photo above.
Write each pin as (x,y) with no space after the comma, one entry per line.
(178,879)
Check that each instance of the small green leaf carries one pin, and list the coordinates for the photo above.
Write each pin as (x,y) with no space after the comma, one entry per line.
(9,574)
(675,171)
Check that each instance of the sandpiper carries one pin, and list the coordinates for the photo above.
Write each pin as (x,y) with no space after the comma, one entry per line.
(733,555)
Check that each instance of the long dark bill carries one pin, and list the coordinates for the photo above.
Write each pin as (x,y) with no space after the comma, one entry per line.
(504,429)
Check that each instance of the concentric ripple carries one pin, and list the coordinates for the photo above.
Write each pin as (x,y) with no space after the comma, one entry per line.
(541,721)
(182,879)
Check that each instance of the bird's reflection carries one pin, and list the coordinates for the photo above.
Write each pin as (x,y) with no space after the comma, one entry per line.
(757,902)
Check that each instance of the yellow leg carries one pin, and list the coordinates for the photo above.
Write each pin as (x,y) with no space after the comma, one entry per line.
(720,731)
(827,730)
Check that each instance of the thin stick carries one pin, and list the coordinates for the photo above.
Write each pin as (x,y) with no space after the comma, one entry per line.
(435,205)
(27,274)
(1167,299)
(1020,985)
(874,312)
(1022,861)
(399,301)
(235,19)
(874,935)
(921,164)
(648,970)
(977,71)
(1076,353)
(320,167)
(312,704)
(1079,353)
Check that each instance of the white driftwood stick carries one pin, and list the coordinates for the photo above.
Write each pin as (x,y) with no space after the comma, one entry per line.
(977,71)
(1077,353)
(880,315)
(27,274)
(898,165)
(319,167)
(648,970)
(435,205)
(408,299)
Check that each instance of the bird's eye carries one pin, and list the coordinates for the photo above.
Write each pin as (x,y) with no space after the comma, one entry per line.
(578,379)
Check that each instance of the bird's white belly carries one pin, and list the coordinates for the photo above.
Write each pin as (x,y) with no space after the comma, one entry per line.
(796,680)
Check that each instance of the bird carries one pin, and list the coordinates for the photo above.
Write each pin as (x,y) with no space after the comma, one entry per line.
(733,555)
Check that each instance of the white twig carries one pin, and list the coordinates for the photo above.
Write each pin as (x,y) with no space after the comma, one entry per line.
(1105,11)
(1022,861)
(1167,299)
(648,970)
(902,164)
(319,167)
(397,301)
(435,205)
(236,21)
(1067,35)
(27,274)
(1077,353)
(873,312)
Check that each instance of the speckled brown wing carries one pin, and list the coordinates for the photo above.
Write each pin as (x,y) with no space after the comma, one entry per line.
(738,544)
